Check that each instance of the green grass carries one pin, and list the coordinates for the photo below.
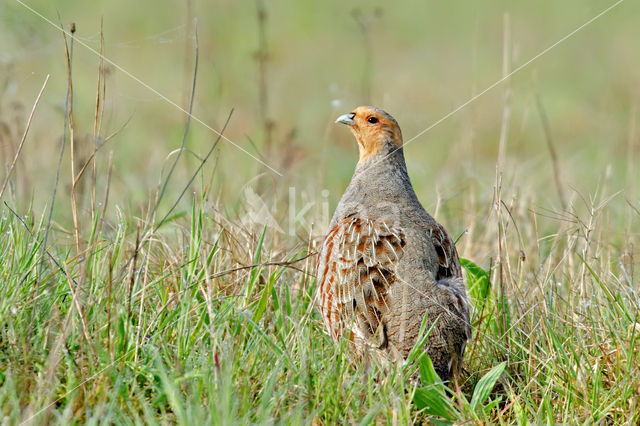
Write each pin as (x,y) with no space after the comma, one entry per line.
(111,315)
(156,339)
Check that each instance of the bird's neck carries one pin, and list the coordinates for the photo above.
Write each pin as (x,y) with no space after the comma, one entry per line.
(385,161)
(379,181)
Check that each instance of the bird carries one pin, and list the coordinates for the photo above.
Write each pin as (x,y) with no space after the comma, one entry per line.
(385,264)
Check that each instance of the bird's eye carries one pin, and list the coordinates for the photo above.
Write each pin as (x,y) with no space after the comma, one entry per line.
(372,120)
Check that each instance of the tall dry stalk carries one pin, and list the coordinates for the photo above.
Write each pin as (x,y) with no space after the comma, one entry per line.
(24,137)
(502,260)
(72,143)
(101,91)
(365,22)
(262,57)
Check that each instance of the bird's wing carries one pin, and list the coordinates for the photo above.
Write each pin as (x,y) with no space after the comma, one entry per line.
(448,261)
(356,266)
(453,302)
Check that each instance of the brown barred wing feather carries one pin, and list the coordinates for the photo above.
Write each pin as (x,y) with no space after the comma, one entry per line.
(448,261)
(356,267)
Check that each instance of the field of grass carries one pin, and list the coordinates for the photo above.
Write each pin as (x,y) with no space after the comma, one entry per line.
(154,272)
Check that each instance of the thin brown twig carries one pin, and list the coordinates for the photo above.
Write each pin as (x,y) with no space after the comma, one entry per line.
(635,209)
(92,156)
(228,271)
(101,91)
(186,129)
(117,131)
(132,282)
(55,188)
(552,152)
(149,229)
(103,212)
(262,56)
(76,302)
(365,23)
(24,136)
(195,173)
(504,132)
(287,263)
(74,203)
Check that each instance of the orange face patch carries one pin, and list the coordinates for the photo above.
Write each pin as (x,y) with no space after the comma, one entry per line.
(372,129)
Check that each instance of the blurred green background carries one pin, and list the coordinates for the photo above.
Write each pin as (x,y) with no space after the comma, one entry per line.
(210,318)
(418,60)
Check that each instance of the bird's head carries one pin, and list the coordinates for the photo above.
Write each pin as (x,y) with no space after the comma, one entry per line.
(375,130)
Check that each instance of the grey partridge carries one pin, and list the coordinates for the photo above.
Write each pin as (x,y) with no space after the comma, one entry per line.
(385,263)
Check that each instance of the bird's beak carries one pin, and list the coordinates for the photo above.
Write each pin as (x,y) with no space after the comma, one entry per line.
(346,119)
